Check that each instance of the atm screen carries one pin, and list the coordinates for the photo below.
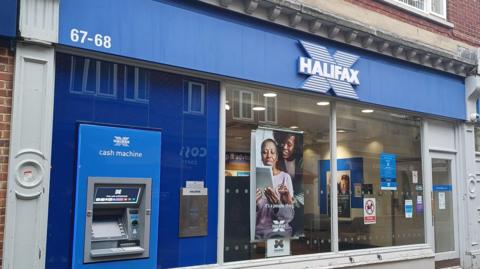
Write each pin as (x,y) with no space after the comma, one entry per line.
(114,195)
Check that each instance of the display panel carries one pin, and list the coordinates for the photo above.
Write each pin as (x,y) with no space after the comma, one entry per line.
(113,195)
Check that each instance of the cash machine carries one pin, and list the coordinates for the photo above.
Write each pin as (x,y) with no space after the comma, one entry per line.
(117,222)
(116,198)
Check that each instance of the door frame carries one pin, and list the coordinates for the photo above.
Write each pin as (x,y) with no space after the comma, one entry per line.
(452,157)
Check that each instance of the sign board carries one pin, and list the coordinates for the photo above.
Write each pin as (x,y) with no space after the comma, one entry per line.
(388,172)
(278,247)
(408,209)
(369,211)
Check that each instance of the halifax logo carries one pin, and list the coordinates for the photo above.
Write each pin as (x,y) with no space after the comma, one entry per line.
(328,72)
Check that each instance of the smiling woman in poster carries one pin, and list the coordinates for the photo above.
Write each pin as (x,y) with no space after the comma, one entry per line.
(274,204)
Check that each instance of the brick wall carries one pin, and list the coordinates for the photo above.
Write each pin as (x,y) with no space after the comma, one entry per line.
(464,14)
(6,84)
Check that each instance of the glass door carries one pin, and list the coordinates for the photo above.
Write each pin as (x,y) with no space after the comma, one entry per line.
(444,206)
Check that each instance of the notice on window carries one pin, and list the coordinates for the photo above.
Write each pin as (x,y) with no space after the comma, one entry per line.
(408,209)
(388,172)
(278,247)
(369,211)
(414,176)
(441,201)
(419,204)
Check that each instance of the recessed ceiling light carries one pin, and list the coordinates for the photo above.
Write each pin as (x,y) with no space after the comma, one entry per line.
(341,131)
(367,110)
(258,108)
(294,127)
(270,94)
(227,107)
(323,103)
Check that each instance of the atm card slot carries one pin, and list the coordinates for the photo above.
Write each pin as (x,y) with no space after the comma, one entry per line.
(95,253)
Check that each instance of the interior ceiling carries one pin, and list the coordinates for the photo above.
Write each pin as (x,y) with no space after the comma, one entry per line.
(313,120)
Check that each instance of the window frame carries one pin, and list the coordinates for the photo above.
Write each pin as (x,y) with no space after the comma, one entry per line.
(335,254)
(426,13)
(190,84)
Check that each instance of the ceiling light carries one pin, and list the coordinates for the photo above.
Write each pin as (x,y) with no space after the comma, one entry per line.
(258,108)
(367,110)
(270,94)
(323,103)
(227,107)
(341,131)
(294,127)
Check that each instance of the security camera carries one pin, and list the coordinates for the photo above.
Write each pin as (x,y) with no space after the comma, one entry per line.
(475,117)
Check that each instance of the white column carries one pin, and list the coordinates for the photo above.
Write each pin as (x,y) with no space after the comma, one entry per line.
(31,137)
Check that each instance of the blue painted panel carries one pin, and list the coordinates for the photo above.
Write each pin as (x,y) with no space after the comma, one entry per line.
(443,188)
(8,18)
(181,133)
(355,165)
(90,163)
(192,35)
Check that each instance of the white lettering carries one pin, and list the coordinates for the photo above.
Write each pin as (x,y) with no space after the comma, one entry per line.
(338,72)
(354,77)
(317,69)
(305,65)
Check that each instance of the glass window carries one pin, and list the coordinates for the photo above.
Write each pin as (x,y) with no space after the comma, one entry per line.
(279,150)
(436,7)
(420,4)
(379,178)
(477,138)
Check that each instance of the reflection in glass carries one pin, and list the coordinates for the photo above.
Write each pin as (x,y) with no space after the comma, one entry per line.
(379,157)
(298,152)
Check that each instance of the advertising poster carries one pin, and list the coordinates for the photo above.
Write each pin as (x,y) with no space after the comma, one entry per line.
(369,211)
(408,209)
(388,172)
(237,164)
(277,207)
(343,193)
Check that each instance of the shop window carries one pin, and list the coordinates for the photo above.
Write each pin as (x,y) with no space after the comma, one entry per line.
(136,84)
(284,157)
(379,179)
(194,95)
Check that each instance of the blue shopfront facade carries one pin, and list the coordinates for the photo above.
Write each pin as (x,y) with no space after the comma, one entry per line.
(189,37)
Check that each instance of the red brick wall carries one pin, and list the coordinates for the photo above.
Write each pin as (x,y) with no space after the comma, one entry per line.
(464,14)
(6,85)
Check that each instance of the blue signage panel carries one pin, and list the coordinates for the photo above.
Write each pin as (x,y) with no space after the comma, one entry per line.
(105,151)
(443,188)
(388,171)
(8,18)
(196,36)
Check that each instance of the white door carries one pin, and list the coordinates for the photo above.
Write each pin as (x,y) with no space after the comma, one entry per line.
(444,206)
